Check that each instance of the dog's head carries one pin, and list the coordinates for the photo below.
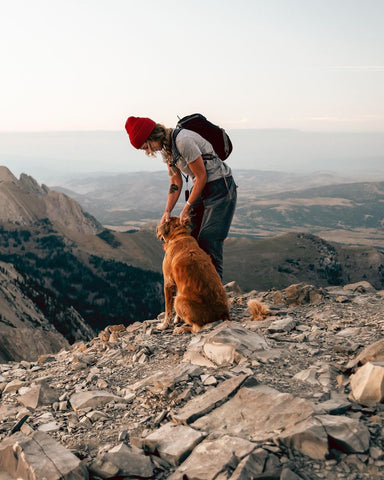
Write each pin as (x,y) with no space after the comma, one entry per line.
(167,230)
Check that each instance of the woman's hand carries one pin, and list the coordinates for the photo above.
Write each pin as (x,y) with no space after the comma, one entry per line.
(173,194)
(166,216)
(184,213)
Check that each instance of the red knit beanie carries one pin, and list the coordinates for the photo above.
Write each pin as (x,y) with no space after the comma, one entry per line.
(139,129)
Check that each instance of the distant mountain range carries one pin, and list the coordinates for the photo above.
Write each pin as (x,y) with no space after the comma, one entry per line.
(64,276)
(54,155)
(335,207)
(347,213)
(299,257)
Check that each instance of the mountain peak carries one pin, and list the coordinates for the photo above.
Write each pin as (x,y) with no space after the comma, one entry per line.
(6,175)
(24,202)
(30,185)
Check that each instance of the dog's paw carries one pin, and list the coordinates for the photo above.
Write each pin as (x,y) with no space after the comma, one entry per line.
(177,320)
(182,329)
(163,326)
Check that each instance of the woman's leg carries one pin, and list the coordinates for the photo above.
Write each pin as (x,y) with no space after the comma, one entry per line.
(219,207)
(196,214)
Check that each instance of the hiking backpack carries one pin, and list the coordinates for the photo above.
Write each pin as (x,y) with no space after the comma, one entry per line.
(214,134)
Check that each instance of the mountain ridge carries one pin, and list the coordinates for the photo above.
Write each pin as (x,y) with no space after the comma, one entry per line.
(63,291)
(24,201)
(335,207)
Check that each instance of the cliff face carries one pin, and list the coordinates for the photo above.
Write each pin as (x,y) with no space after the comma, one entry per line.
(295,396)
(25,332)
(24,202)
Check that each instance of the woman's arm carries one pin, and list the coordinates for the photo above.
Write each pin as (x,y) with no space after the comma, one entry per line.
(176,183)
(200,173)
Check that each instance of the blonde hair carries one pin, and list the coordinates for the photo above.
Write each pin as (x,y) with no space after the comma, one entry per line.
(162,135)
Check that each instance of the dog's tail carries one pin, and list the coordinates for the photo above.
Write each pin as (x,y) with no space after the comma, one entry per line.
(257,309)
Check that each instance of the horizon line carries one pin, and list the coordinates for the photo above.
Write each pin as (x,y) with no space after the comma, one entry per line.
(291,129)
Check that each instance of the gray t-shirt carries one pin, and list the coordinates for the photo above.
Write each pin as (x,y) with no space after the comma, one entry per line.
(191,145)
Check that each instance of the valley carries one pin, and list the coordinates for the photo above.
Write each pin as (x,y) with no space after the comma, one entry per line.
(76,275)
(338,208)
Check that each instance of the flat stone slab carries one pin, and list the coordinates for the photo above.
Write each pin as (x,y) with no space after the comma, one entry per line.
(315,436)
(333,406)
(203,404)
(307,376)
(13,386)
(368,383)
(230,343)
(256,413)
(346,434)
(37,395)
(371,353)
(123,461)
(284,325)
(211,457)
(92,399)
(173,442)
(39,456)
(227,343)
(49,427)
(308,437)
(256,464)
(163,381)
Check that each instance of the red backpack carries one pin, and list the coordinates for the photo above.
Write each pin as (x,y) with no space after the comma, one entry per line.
(214,134)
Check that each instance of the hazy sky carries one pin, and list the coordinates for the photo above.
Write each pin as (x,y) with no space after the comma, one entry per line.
(88,64)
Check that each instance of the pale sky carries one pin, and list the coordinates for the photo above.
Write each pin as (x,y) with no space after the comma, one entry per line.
(315,65)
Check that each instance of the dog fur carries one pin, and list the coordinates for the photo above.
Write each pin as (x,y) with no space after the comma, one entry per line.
(189,273)
(257,309)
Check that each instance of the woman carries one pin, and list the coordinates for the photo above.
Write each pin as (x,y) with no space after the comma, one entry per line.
(212,200)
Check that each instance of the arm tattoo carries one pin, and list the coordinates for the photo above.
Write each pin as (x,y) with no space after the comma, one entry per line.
(173,188)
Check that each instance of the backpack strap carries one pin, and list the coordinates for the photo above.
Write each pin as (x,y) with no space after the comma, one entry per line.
(176,131)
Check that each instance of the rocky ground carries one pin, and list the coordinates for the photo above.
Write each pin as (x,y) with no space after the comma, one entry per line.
(295,396)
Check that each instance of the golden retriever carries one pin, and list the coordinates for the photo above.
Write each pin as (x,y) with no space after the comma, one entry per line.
(189,271)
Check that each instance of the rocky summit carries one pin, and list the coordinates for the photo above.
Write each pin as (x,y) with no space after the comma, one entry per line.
(295,396)
(24,202)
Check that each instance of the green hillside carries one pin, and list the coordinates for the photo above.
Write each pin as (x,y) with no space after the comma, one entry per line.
(103,290)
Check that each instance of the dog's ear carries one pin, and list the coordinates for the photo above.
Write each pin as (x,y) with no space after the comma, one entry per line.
(186,222)
(162,230)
